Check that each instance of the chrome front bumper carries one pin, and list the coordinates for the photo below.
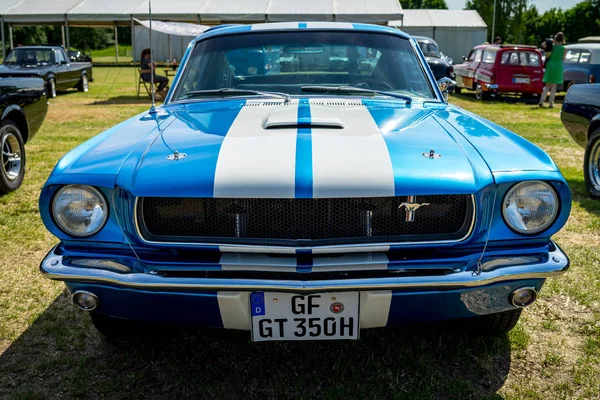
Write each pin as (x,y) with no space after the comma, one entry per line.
(492,270)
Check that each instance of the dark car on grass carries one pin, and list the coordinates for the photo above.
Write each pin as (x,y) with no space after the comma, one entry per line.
(581,116)
(23,107)
(440,65)
(50,63)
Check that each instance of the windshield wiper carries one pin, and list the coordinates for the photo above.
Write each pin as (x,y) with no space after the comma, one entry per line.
(354,89)
(237,92)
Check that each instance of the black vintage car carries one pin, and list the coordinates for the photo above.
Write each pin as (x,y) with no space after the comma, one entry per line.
(440,66)
(23,107)
(581,116)
(50,63)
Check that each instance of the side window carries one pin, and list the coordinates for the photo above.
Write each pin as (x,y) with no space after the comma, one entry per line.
(585,56)
(572,55)
(478,54)
(489,56)
(59,57)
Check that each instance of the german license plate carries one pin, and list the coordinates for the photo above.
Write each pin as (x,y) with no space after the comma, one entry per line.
(520,80)
(287,316)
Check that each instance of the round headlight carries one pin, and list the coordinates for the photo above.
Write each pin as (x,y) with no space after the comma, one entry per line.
(79,210)
(530,207)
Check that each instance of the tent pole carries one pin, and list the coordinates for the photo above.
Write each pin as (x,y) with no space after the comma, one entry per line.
(132,40)
(116,43)
(3,47)
(68,38)
(170,52)
(10,36)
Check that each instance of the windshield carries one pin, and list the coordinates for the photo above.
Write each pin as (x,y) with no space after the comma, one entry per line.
(286,62)
(429,49)
(32,57)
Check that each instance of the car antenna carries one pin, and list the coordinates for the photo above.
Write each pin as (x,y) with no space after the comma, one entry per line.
(153,108)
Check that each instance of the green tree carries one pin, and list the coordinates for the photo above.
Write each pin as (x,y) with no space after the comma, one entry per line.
(424,4)
(582,20)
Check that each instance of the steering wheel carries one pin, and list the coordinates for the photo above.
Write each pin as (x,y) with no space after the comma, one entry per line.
(371,83)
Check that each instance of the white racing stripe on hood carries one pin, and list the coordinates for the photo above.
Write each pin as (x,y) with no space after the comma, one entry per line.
(255,162)
(353,161)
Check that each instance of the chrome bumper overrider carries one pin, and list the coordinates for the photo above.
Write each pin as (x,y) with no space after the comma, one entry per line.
(493,270)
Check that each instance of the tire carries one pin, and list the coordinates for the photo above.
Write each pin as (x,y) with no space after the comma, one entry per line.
(479,93)
(591,165)
(12,167)
(51,88)
(83,85)
(114,327)
(494,324)
(457,90)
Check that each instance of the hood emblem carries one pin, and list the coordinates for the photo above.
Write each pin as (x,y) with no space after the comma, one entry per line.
(176,156)
(410,207)
(431,155)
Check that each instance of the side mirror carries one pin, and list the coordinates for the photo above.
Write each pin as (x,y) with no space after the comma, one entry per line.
(446,85)
(464,58)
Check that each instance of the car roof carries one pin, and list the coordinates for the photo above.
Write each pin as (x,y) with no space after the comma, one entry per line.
(424,39)
(584,46)
(38,47)
(299,26)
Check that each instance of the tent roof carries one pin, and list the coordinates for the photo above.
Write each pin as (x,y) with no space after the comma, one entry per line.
(205,11)
(440,18)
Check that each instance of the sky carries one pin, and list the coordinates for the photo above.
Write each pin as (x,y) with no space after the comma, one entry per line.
(542,5)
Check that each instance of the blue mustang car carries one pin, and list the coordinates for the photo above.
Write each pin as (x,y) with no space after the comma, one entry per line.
(305,204)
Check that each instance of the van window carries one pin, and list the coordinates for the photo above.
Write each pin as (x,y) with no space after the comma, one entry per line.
(585,56)
(572,55)
(523,58)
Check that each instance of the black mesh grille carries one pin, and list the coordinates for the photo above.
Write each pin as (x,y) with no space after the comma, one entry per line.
(303,222)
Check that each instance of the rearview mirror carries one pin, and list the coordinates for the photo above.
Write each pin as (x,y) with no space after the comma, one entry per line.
(446,85)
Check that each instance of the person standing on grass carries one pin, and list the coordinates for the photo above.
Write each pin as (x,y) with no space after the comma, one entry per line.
(553,74)
(148,65)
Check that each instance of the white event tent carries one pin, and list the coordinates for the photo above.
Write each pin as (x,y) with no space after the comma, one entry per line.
(205,12)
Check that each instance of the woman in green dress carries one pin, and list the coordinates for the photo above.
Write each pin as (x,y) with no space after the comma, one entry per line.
(553,75)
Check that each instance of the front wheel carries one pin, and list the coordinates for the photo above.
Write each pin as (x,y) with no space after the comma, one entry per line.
(591,165)
(457,90)
(83,85)
(114,327)
(51,88)
(494,324)
(12,169)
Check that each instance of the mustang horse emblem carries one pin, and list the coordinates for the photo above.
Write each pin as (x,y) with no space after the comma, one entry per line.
(411,207)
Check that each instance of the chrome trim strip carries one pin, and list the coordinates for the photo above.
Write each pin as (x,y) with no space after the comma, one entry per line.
(557,263)
(366,247)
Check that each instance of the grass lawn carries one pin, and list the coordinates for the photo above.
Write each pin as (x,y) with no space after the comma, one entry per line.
(108,54)
(48,349)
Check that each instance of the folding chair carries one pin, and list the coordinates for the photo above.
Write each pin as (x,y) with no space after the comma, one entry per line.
(146,84)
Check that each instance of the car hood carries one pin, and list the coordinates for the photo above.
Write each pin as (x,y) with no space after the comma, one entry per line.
(309,149)
(301,149)
(20,70)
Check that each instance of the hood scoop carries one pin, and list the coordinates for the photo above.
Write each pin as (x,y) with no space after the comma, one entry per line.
(285,117)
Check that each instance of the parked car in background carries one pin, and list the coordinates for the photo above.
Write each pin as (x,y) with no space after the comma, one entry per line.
(49,63)
(580,114)
(23,107)
(581,64)
(305,205)
(440,66)
(492,70)
(79,56)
